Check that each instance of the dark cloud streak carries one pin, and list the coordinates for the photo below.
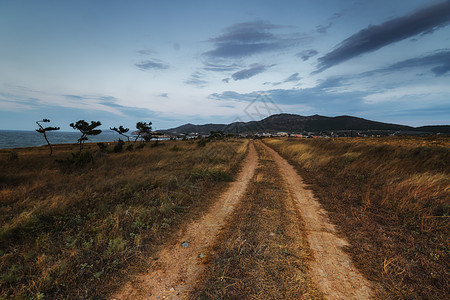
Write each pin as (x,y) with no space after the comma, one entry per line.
(220,67)
(439,60)
(249,38)
(250,72)
(373,38)
(146,65)
(307,54)
(293,78)
(197,79)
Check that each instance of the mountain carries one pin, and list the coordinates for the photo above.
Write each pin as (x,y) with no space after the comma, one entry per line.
(297,123)
(434,129)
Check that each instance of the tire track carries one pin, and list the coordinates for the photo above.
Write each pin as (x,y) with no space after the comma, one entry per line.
(175,272)
(331,269)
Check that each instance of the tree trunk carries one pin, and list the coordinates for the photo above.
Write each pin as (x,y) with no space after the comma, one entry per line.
(50,145)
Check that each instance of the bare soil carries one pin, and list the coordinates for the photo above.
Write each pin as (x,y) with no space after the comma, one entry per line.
(177,265)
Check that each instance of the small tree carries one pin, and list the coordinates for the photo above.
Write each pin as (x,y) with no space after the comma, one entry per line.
(86,129)
(144,131)
(43,130)
(121,130)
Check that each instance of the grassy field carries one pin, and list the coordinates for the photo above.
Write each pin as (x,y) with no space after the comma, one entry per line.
(75,226)
(263,252)
(391,198)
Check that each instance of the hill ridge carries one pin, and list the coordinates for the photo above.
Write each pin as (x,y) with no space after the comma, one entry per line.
(297,123)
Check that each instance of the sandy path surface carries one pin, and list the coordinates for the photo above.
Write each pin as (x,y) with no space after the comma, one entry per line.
(180,264)
(332,269)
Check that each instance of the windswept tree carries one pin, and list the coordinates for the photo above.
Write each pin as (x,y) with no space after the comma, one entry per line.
(121,130)
(44,130)
(86,129)
(144,130)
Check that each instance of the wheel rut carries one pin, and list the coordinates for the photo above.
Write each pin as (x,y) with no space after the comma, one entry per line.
(331,269)
(179,264)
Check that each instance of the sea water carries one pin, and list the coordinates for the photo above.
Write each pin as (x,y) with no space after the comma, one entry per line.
(19,138)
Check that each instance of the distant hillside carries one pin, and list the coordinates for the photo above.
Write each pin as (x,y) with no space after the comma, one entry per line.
(434,129)
(297,123)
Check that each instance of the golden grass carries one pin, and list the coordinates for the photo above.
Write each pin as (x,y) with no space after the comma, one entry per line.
(75,232)
(390,196)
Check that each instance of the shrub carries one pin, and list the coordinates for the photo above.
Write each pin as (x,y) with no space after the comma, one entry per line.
(201,143)
(102,146)
(78,160)
(119,146)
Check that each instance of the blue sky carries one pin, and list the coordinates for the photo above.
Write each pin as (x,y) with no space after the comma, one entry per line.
(174,62)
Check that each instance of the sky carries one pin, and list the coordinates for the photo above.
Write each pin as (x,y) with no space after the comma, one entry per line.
(175,62)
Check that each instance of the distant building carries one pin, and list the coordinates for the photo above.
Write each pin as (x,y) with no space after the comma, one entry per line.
(282,133)
(264,134)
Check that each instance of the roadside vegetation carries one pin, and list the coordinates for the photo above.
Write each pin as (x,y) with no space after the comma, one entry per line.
(76,227)
(390,198)
(262,252)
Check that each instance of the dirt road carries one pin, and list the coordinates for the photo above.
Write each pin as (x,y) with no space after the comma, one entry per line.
(332,269)
(180,264)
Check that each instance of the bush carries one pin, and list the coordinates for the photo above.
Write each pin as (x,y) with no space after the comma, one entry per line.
(201,143)
(78,160)
(119,146)
(102,146)
(155,144)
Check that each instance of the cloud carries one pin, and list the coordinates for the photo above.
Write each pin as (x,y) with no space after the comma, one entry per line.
(373,38)
(293,78)
(13,102)
(74,97)
(109,101)
(95,102)
(254,69)
(146,52)
(231,95)
(146,65)
(250,38)
(324,28)
(197,79)
(226,80)
(220,67)
(164,95)
(307,54)
(439,60)
(441,70)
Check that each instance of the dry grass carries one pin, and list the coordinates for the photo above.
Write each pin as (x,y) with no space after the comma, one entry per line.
(73,231)
(390,197)
(263,252)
